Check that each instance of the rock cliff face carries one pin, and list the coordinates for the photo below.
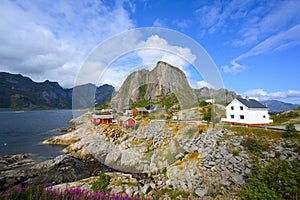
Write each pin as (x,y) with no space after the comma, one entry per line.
(220,95)
(153,85)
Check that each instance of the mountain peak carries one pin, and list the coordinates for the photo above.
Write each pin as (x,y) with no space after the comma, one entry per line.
(154,85)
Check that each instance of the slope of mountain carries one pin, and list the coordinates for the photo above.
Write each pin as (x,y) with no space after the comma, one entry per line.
(154,85)
(222,96)
(17,92)
(278,106)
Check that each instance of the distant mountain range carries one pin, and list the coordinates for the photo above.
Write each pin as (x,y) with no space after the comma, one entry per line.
(278,106)
(160,84)
(18,92)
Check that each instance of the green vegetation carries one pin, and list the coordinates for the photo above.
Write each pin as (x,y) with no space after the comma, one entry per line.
(49,193)
(280,118)
(245,131)
(255,145)
(290,131)
(103,106)
(164,171)
(203,103)
(140,104)
(235,152)
(168,101)
(276,180)
(207,113)
(172,193)
(101,183)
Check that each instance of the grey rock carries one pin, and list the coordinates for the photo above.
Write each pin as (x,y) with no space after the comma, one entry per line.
(201,192)
(146,189)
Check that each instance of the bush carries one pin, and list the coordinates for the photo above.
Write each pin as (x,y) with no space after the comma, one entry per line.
(276,180)
(235,153)
(290,131)
(254,145)
(101,183)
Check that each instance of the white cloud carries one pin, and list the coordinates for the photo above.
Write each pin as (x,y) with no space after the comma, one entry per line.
(278,42)
(46,40)
(268,28)
(234,68)
(200,84)
(289,96)
(144,53)
(156,48)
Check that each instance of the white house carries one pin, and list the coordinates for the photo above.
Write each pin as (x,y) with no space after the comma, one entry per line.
(247,112)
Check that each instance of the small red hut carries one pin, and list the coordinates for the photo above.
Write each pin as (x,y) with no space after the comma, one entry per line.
(102,119)
(127,122)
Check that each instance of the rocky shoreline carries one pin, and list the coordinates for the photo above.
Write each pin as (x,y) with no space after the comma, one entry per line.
(157,156)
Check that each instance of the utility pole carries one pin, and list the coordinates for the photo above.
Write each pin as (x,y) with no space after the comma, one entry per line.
(213,113)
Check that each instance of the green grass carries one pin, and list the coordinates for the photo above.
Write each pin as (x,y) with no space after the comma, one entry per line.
(275,180)
(246,131)
(172,193)
(102,183)
(280,118)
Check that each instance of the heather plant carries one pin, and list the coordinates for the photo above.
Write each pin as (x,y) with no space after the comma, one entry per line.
(40,192)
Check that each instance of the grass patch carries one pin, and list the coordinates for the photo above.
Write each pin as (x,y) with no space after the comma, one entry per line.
(246,131)
(172,193)
(102,183)
(235,152)
(255,145)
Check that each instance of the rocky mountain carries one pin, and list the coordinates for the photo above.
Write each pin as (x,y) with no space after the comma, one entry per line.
(278,106)
(222,96)
(18,92)
(154,85)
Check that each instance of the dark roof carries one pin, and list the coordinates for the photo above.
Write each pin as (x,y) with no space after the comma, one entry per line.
(251,103)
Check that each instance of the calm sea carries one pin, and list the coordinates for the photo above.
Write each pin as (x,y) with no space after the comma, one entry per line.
(23,132)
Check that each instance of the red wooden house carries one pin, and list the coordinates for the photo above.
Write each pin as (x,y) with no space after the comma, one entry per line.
(140,111)
(127,122)
(102,119)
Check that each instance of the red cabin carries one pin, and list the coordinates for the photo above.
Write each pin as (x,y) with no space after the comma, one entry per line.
(102,119)
(127,122)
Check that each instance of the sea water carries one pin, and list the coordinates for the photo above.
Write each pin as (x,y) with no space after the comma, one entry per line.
(24,131)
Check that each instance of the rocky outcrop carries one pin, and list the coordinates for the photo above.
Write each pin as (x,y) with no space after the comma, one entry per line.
(58,170)
(163,155)
(211,164)
(10,162)
(153,85)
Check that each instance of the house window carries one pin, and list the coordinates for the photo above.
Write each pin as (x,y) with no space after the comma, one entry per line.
(232,108)
(242,117)
(241,107)
(232,116)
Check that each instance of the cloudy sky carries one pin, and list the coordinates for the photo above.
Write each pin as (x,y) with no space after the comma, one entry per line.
(254,44)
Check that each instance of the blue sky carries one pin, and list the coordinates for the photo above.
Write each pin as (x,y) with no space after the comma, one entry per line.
(254,44)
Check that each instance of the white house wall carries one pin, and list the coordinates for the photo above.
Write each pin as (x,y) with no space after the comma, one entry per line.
(252,116)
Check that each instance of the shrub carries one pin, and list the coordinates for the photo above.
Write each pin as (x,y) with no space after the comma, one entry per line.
(254,145)
(235,152)
(276,180)
(290,131)
(101,183)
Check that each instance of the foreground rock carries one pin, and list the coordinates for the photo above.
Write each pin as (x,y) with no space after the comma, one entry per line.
(15,161)
(173,156)
(58,170)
